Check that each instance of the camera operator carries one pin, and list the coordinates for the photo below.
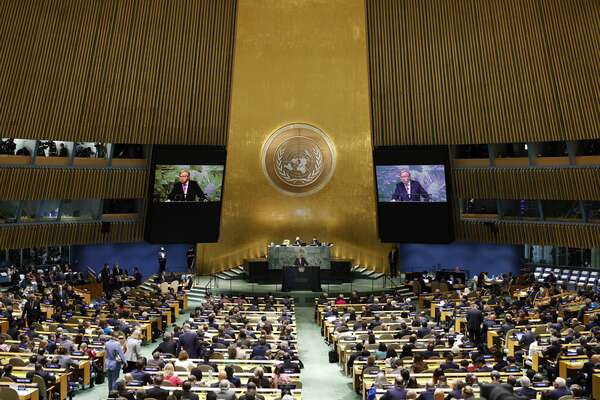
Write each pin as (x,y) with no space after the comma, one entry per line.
(62,151)
(41,148)
(100,150)
(8,146)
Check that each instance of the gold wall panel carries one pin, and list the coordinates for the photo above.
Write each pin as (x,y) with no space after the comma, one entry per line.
(136,71)
(72,183)
(585,236)
(452,72)
(527,183)
(301,61)
(75,233)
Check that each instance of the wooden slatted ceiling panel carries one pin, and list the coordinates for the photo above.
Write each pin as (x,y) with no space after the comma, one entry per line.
(585,236)
(69,183)
(479,71)
(40,235)
(528,183)
(573,31)
(136,71)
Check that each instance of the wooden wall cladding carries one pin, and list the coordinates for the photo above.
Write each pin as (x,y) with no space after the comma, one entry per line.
(71,183)
(527,183)
(559,234)
(136,71)
(463,72)
(75,233)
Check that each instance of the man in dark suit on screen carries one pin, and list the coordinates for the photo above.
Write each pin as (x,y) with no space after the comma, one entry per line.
(409,190)
(185,189)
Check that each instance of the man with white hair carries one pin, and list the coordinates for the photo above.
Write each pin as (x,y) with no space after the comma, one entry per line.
(526,391)
(560,390)
(224,392)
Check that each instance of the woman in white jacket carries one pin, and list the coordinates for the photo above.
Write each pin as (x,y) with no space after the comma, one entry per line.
(134,349)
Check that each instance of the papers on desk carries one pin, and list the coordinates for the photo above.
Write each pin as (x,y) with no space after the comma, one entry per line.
(331,318)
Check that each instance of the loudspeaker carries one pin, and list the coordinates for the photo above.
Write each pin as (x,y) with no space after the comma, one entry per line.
(105,228)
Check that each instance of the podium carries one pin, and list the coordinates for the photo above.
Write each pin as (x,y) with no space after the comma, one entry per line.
(301,278)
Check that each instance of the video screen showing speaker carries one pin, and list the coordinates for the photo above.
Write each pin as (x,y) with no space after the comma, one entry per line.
(185,192)
(411,183)
(175,183)
(413,194)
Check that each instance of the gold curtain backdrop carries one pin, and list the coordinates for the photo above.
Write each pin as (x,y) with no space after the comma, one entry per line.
(298,62)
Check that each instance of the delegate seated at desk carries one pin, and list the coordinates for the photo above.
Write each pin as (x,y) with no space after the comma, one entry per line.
(298,241)
(300,261)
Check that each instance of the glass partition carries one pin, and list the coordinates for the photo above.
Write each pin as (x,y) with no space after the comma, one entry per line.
(520,209)
(479,208)
(9,212)
(562,210)
(78,210)
(592,211)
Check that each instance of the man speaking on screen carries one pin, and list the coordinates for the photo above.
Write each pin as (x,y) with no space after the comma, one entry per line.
(185,189)
(409,190)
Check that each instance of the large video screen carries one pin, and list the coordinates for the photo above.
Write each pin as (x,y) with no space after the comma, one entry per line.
(185,192)
(413,194)
(411,183)
(173,183)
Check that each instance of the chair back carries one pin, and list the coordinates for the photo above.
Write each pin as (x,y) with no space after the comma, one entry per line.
(17,362)
(205,368)
(237,368)
(41,383)
(7,393)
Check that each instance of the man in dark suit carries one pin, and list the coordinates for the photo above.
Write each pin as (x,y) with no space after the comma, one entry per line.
(185,189)
(190,257)
(186,391)
(162,260)
(189,342)
(528,337)
(139,374)
(397,392)
(526,391)
(474,320)
(168,345)
(427,394)
(300,261)
(560,390)
(449,364)
(156,392)
(409,190)
(31,310)
(393,259)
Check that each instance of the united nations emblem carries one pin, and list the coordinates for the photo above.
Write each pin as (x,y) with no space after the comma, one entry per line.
(298,159)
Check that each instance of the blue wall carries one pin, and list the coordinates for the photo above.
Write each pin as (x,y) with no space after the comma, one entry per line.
(474,257)
(129,255)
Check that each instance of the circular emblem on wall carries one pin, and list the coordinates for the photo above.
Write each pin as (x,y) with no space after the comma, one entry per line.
(298,159)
